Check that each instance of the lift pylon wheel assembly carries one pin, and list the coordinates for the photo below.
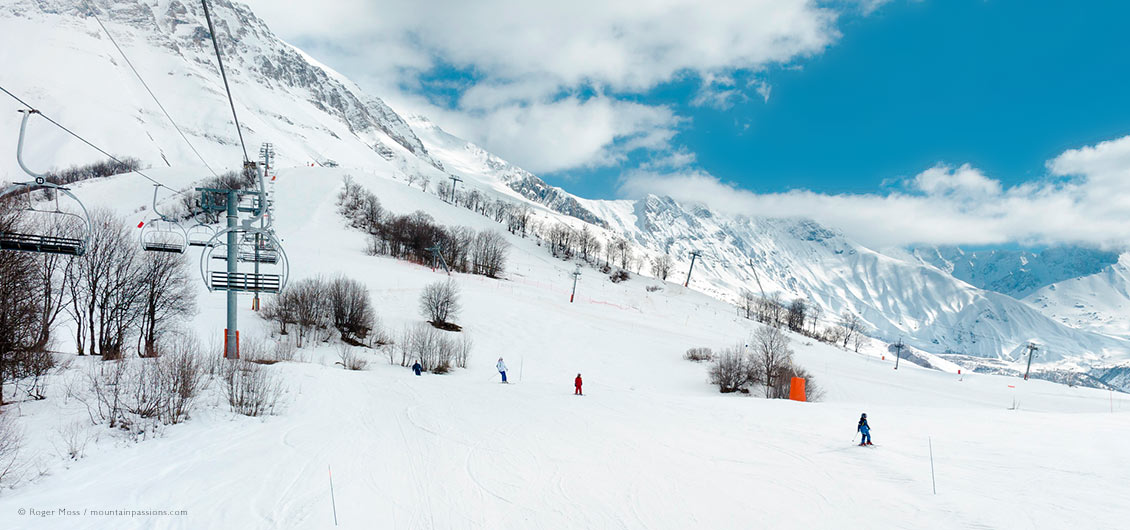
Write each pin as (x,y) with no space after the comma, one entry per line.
(51,230)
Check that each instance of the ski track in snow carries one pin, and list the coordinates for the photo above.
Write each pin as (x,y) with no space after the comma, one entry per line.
(650,445)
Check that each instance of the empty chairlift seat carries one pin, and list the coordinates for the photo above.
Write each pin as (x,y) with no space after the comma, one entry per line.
(246,282)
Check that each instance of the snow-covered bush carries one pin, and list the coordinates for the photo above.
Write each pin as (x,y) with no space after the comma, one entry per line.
(699,354)
(620,275)
(251,390)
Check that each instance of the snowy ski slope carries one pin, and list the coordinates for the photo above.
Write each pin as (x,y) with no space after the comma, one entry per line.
(650,445)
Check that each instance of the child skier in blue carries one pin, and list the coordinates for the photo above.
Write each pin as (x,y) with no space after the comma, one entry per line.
(865,430)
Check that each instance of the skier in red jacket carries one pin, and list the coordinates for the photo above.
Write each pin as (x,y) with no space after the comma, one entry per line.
(577,384)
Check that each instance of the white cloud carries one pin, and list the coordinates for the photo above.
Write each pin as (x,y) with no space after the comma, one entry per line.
(531,61)
(964,181)
(951,206)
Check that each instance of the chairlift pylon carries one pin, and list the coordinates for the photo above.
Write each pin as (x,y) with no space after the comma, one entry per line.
(162,234)
(69,234)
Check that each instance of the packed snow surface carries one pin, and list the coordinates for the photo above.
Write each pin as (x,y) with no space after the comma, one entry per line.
(650,445)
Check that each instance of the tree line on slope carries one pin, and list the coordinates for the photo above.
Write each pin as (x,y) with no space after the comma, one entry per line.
(409,237)
(803,317)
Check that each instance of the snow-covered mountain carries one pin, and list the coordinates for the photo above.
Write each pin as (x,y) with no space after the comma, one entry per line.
(1017,273)
(69,68)
(1098,302)
(72,72)
(924,306)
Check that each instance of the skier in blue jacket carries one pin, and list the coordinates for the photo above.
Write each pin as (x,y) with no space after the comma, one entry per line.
(865,430)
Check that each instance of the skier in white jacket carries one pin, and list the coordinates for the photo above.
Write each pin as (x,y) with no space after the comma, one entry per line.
(501,369)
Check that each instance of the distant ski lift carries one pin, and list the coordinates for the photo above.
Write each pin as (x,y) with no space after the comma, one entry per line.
(271,276)
(44,229)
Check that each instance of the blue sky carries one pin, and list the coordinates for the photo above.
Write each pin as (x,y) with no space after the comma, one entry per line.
(1003,85)
(970,122)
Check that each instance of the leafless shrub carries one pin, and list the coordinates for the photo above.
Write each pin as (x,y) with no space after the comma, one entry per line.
(653,288)
(783,385)
(437,351)
(464,351)
(104,393)
(11,441)
(29,368)
(255,350)
(74,437)
(699,354)
(733,370)
(350,359)
(251,390)
(182,378)
(284,351)
(122,393)
(380,336)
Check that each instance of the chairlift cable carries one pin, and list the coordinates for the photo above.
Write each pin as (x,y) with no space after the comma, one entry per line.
(87,142)
(151,94)
(224,75)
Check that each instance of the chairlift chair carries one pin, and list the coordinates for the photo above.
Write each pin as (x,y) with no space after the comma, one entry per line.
(162,234)
(255,248)
(54,231)
(200,234)
(272,280)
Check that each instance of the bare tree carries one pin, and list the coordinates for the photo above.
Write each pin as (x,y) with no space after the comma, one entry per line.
(772,355)
(860,341)
(733,370)
(440,302)
(19,308)
(851,324)
(167,295)
(814,313)
(350,308)
(748,303)
(488,253)
(796,315)
(661,266)
(587,244)
(51,273)
(621,252)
